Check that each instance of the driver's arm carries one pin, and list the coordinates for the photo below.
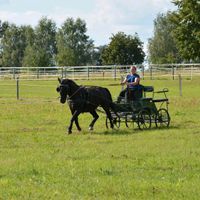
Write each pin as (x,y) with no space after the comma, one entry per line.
(124,81)
(136,82)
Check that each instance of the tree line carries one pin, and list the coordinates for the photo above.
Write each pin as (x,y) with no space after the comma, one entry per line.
(176,35)
(46,45)
(176,39)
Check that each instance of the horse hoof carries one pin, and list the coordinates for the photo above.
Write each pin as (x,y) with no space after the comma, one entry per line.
(79,129)
(91,128)
(69,132)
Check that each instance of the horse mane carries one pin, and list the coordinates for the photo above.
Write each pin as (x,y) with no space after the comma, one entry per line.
(69,82)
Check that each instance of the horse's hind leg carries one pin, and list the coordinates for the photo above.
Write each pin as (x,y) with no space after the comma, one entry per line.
(77,124)
(109,117)
(96,116)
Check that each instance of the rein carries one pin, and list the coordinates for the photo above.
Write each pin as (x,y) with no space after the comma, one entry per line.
(68,98)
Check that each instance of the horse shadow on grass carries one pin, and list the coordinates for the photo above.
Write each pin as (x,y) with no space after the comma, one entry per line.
(120,132)
(135,131)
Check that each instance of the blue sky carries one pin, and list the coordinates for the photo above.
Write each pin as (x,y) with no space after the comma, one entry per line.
(103,17)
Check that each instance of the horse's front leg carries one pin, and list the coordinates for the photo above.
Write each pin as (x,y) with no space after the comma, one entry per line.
(76,122)
(74,118)
(96,116)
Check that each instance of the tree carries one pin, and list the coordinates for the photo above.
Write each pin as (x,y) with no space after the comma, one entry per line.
(162,47)
(187,31)
(123,50)
(41,48)
(13,46)
(35,57)
(30,56)
(74,46)
(3,27)
(96,55)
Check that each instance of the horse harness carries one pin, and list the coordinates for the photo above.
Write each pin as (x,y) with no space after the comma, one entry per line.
(84,95)
(84,98)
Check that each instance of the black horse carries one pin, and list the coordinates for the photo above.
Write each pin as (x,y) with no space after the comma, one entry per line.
(85,99)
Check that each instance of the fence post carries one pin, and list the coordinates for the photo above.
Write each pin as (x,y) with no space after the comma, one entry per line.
(173,72)
(37,73)
(44,72)
(150,70)
(88,73)
(65,72)
(62,72)
(122,78)
(191,72)
(73,72)
(14,73)
(17,88)
(143,72)
(115,72)
(180,84)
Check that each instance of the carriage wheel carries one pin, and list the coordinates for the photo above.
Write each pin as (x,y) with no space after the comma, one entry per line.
(129,121)
(144,120)
(162,118)
(115,120)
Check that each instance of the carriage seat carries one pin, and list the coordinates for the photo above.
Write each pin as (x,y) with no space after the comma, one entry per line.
(140,93)
(148,88)
(145,90)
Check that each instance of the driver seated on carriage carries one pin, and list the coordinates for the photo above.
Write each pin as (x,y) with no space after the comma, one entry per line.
(133,91)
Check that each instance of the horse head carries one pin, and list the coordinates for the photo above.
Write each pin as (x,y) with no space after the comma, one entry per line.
(66,88)
(63,89)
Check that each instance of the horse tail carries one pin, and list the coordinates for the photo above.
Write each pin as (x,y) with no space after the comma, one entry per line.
(111,103)
(109,94)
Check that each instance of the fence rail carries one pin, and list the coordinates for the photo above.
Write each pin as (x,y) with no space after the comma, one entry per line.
(101,72)
(23,75)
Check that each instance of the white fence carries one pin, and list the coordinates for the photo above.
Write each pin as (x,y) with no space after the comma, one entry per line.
(174,70)
(79,72)
(166,71)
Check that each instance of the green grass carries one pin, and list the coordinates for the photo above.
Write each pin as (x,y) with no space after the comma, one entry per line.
(39,161)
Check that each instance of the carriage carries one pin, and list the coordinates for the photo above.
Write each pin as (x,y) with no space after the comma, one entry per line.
(143,110)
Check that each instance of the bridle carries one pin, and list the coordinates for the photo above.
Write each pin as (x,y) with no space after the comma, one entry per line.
(66,86)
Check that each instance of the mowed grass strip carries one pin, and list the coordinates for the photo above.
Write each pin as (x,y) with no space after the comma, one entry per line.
(39,161)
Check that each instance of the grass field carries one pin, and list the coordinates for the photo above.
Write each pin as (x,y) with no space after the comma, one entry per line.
(39,161)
